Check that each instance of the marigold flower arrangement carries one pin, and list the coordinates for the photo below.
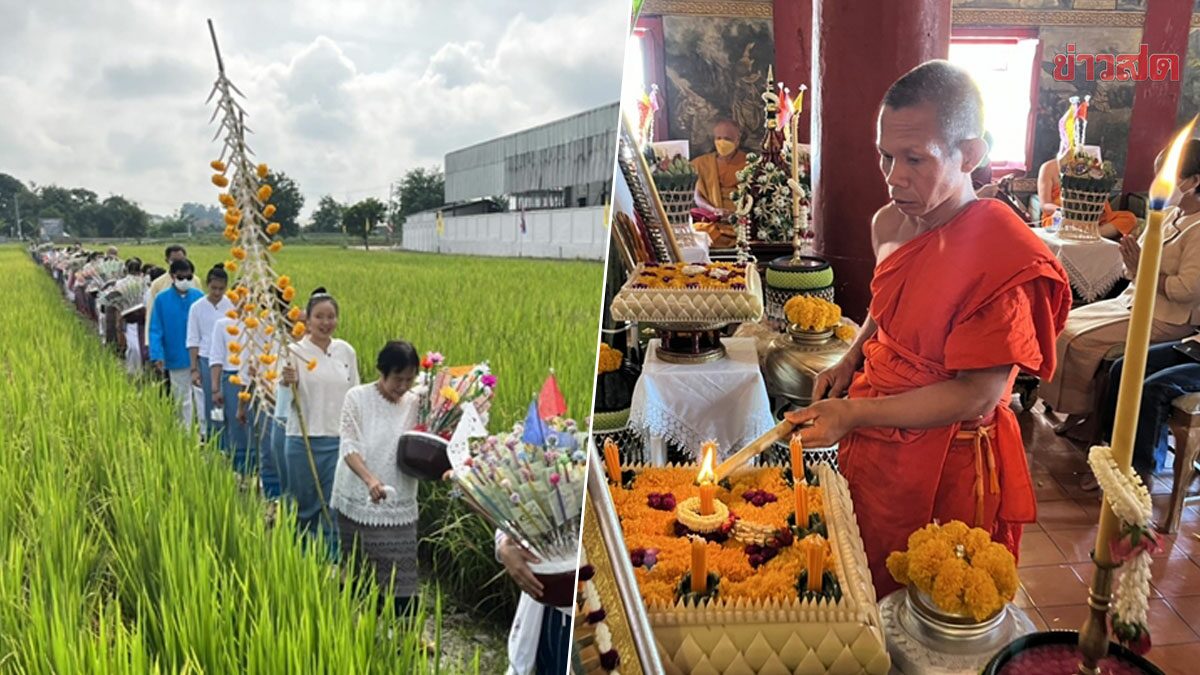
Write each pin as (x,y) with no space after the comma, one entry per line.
(757,556)
(440,407)
(610,359)
(718,275)
(811,313)
(960,567)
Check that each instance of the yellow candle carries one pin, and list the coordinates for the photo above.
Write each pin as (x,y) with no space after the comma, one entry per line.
(816,562)
(797,448)
(612,460)
(801,503)
(707,478)
(699,566)
(1141,317)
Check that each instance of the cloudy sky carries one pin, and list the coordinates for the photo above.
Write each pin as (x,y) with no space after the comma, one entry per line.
(344,95)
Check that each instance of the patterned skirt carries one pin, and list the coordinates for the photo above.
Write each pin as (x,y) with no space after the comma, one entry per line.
(387,551)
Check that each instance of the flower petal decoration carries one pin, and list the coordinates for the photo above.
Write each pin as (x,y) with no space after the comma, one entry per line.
(232,314)
(235,360)
(217,165)
(243,396)
(312,365)
(264,193)
(272,228)
(283,281)
(293,314)
(232,330)
(288,294)
(262,170)
(275,246)
(219,180)
(298,330)
(238,252)
(227,200)
(269,330)
(231,266)
(233,347)
(269,211)
(235,380)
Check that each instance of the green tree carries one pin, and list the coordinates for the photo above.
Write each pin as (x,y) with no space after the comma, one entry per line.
(13,193)
(419,190)
(286,196)
(363,217)
(180,222)
(70,204)
(328,216)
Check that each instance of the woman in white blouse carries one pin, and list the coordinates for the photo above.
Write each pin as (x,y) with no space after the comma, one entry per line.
(202,316)
(1094,329)
(323,368)
(376,504)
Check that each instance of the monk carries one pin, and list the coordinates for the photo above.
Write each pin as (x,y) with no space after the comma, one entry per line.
(963,295)
(717,180)
(1113,224)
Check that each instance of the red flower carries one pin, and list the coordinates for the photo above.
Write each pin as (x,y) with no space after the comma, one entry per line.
(1132,541)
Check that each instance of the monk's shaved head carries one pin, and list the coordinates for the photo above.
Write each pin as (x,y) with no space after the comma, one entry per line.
(950,90)
(726,128)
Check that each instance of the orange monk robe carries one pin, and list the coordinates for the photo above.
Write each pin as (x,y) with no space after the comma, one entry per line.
(1124,221)
(716,181)
(979,292)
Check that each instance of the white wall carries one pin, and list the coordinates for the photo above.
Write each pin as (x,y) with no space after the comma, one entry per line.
(551,233)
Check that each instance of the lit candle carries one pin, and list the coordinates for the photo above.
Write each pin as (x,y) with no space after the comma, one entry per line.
(699,565)
(1141,317)
(708,486)
(797,448)
(801,502)
(816,561)
(612,460)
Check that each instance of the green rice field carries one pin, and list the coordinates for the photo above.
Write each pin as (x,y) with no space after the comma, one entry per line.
(125,548)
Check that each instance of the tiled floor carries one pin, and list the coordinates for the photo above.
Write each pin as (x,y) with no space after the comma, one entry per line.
(1056,569)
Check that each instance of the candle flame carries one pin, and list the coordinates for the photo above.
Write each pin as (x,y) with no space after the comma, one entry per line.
(1164,182)
(707,473)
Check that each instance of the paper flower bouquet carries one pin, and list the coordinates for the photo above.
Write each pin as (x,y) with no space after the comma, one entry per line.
(445,394)
(529,484)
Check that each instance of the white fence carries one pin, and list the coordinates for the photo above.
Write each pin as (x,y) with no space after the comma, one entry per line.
(553,233)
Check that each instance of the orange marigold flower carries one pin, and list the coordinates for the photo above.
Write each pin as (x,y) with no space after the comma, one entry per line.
(235,360)
(233,297)
(251,322)
(217,165)
(264,193)
(233,218)
(980,595)
(272,375)
(312,364)
(283,281)
(948,584)
(298,330)
(272,228)
(230,266)
(243,396)
(269,330)
(269,211)
(264,314)
(233,347)
(897,564)
(262,170)
(238,252)
(235,380)
(231,233)
(219,180)
(289,293)
(293,314)
(263,358)
(250,308)
(275,246)
(226,199)
(232,330)
(232,314)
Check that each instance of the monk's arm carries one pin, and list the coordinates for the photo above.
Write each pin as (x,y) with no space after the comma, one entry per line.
(701,201)
(970,396)
(1046,189)
(855,352)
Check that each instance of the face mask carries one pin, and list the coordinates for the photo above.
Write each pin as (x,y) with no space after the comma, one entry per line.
(724,147)
(182,285)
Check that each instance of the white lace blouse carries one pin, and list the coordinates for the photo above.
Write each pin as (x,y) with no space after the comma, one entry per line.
(371,426)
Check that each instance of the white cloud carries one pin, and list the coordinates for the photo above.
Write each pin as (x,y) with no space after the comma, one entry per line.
(344,97)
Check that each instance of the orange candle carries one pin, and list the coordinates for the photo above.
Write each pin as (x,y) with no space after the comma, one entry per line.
(801,503)
(797,448)
(707,492)
(699,565)
(612,460)
(816,562)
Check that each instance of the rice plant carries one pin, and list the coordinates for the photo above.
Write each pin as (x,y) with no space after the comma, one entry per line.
(126,548)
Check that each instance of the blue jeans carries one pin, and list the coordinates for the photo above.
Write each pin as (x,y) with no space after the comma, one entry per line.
(261,423)
(278,440)
(235,442)
(310,517)
(1169,375)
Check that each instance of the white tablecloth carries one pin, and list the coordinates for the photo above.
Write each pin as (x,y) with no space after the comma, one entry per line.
(1092,266)
(725,400)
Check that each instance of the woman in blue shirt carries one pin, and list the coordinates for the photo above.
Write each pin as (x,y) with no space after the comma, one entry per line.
(168,335)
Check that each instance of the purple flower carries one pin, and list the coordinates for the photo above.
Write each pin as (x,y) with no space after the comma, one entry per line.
(488,380)
(586,573)
(609,660)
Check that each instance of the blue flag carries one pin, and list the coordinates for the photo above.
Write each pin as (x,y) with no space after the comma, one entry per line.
(535,428)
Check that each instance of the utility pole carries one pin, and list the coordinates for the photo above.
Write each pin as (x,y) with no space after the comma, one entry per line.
(17,206)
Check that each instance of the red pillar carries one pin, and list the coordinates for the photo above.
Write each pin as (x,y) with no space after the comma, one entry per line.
(1156,104)
(860,49)
(793,51)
